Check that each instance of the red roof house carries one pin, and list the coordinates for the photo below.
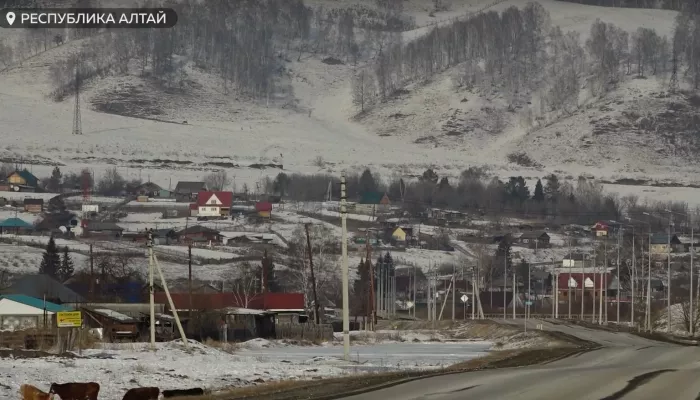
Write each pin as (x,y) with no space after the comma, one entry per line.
(214,204)
(590,281)
(264,209)
(217,301)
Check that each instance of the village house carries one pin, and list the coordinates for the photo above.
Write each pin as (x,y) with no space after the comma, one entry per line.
(534,239)
(589,281)
(373,203)
(399,235)
(577,261)
(22,181)
(199,234)
(214,204)
(188,191)
(15,225)
(501,236)
(42,286)
(660,247)
(20,312)
(35,206)
(605,228)
(264,209)
(148,189)
(102,229)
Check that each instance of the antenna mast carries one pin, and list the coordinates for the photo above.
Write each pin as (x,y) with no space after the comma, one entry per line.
(77,126)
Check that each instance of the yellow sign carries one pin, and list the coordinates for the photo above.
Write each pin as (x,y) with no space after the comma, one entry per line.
(69,319)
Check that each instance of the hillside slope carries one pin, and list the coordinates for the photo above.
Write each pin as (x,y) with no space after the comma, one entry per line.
(310,126)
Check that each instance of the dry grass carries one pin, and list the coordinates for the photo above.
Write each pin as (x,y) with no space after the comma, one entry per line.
(223,346)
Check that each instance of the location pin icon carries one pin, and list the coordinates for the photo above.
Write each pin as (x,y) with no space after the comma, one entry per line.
(10,18)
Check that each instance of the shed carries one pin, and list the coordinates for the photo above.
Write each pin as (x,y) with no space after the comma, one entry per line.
(19,312)
(34,205)
(115,325)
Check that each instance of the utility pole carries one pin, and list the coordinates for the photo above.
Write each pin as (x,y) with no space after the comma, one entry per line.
(415,278)
(372,302)
(648,312)
(505,282)
(568,280)
(602,286)
(454,291)
(514,294)
(583,285)
(92,276)
(527,305)
(668,277)
(154,261)
(317,316)
(151,296)
(344,252)
(595,273)
(692,250)
(189,279)
(605,282)
(634,276)
(382,280)
(619,283)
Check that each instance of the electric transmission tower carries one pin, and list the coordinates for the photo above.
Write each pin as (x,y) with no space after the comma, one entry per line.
(77,126)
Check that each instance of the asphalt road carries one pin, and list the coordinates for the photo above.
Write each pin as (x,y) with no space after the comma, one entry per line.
(628,367)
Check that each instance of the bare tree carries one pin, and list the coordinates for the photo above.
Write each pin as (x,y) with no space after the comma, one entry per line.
(244,282)
(4,279)
(218,180)
(325,249)
(111,183)
(363,90)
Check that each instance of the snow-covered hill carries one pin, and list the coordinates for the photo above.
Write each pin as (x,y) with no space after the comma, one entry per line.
(314,128)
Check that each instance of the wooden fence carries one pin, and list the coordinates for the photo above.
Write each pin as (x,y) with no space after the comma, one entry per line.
(311,332)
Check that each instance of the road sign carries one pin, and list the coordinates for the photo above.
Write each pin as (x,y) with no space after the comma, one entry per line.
(528,303)
(464,298)
(69,319)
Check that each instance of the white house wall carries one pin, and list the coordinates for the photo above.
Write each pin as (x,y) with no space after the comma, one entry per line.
(9,307)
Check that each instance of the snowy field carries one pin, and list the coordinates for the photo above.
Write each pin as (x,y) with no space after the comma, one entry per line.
(120,367)
(26,195)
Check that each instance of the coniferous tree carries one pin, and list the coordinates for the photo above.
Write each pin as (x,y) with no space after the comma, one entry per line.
(268,270)
(539,192)
(51,261)
(502,251)
(66,269)
(361,288)
(54,184)
(367,182)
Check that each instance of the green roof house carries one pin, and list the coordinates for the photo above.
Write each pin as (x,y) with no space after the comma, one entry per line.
(373,203)
(19,312)
(23,178)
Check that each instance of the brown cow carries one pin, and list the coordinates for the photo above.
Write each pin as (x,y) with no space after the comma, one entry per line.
(76,391)
(29,392)
(142,393)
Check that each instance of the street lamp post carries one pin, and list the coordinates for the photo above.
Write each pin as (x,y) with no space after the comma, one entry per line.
(692,254)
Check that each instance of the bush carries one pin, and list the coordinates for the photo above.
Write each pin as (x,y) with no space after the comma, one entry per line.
(523,160)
